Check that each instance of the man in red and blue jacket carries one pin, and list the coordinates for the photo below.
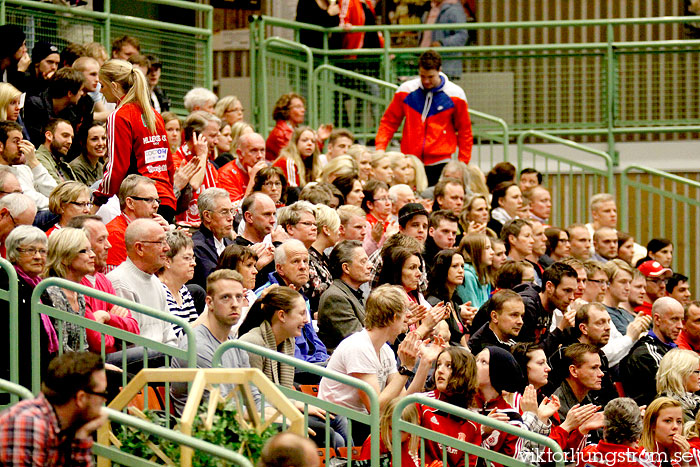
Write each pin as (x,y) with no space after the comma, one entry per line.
(437,118)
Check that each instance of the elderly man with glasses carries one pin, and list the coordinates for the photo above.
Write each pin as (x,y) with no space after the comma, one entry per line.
(214,234)
(138,199)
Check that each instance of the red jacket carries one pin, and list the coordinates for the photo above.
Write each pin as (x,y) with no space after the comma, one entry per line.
(605,455)
(191,215)
(437,122)
(279,137)
(456,427)
(234,179)
(116,228)
(92,304)
(132,148)
(290,170)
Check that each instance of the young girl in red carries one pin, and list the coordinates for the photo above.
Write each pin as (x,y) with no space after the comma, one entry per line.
(136,137)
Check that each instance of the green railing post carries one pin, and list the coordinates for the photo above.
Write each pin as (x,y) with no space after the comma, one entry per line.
(209,59)
(10,296)
(611,65)
(107,39)
(189,356)
(253,35)
(3,13)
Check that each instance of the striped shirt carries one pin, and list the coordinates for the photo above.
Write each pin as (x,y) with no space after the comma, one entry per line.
(186,311)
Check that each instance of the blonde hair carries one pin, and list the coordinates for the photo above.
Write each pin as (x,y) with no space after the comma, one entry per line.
(64,246)
(223,104)
(377,157)
(647,440)
(8,93)
(65,192)
(674,369)
(291,151)
(341,165)
(355,151)
(477,180)
(326,216)
(395,158)
(97,51)
(692,429)
(237,130)
(134,84)
(421,179)
(409,414)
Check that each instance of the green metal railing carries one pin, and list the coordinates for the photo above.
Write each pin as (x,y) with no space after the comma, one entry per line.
(657,204)
(17,391)
(187,357)
(572,179)
(371,419)
(116,455)
(10,296)
(400,426)
(598,89)
(186,52)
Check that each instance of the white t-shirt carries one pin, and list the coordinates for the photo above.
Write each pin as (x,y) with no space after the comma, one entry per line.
(355,354)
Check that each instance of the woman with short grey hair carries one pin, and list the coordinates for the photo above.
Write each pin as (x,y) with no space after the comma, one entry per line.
(26,249)
(622,430)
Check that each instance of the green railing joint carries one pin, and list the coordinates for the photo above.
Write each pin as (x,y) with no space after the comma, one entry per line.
(189,355)
(317,370)
(400,426)
(11,296)
(15,390)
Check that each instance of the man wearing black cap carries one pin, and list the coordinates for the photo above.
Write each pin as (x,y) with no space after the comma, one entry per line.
(413,221)
(45,61)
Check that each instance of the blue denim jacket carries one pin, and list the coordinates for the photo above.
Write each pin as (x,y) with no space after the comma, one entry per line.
(309,338)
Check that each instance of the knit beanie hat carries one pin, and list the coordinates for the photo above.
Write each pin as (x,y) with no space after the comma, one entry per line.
(42,50)
(504,371)
(12,39)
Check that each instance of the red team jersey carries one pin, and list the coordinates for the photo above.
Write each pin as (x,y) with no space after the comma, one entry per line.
(133,149)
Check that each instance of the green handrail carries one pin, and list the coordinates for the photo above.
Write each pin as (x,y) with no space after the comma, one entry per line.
(399,426)
(607,172)
(10,296)
(189,356)
(123,458)
(682,219)
(260,106)
(606,115)
(16,390)
(371,419)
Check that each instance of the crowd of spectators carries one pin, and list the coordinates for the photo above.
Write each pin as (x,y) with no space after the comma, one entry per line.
(412,271)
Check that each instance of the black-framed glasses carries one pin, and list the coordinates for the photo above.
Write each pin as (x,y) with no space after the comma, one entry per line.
(95,393)
(85,205)
(14,222)
(599,281)
(148,200)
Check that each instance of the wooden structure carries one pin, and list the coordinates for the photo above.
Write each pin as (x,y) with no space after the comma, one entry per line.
(207,379)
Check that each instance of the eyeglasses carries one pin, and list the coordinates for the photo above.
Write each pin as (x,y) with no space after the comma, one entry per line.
(148,200)
(103,394)
(31,251)
(84,251)
(86,205)
(599,281)
(386,199)
(155,242)
(306,223)
(14,222)
(657,280)
(224,212)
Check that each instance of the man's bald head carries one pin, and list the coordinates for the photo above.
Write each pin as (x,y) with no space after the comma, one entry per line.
(251,149)
(667,313)
(140,229)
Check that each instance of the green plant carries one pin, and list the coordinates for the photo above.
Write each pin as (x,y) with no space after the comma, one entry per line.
(225,431)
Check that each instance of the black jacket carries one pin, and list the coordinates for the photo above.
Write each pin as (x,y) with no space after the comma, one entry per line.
(485,337)
(205,254)
(536,320)
(638,369)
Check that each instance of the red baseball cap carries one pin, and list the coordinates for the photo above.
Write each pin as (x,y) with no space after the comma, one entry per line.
(653,268)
